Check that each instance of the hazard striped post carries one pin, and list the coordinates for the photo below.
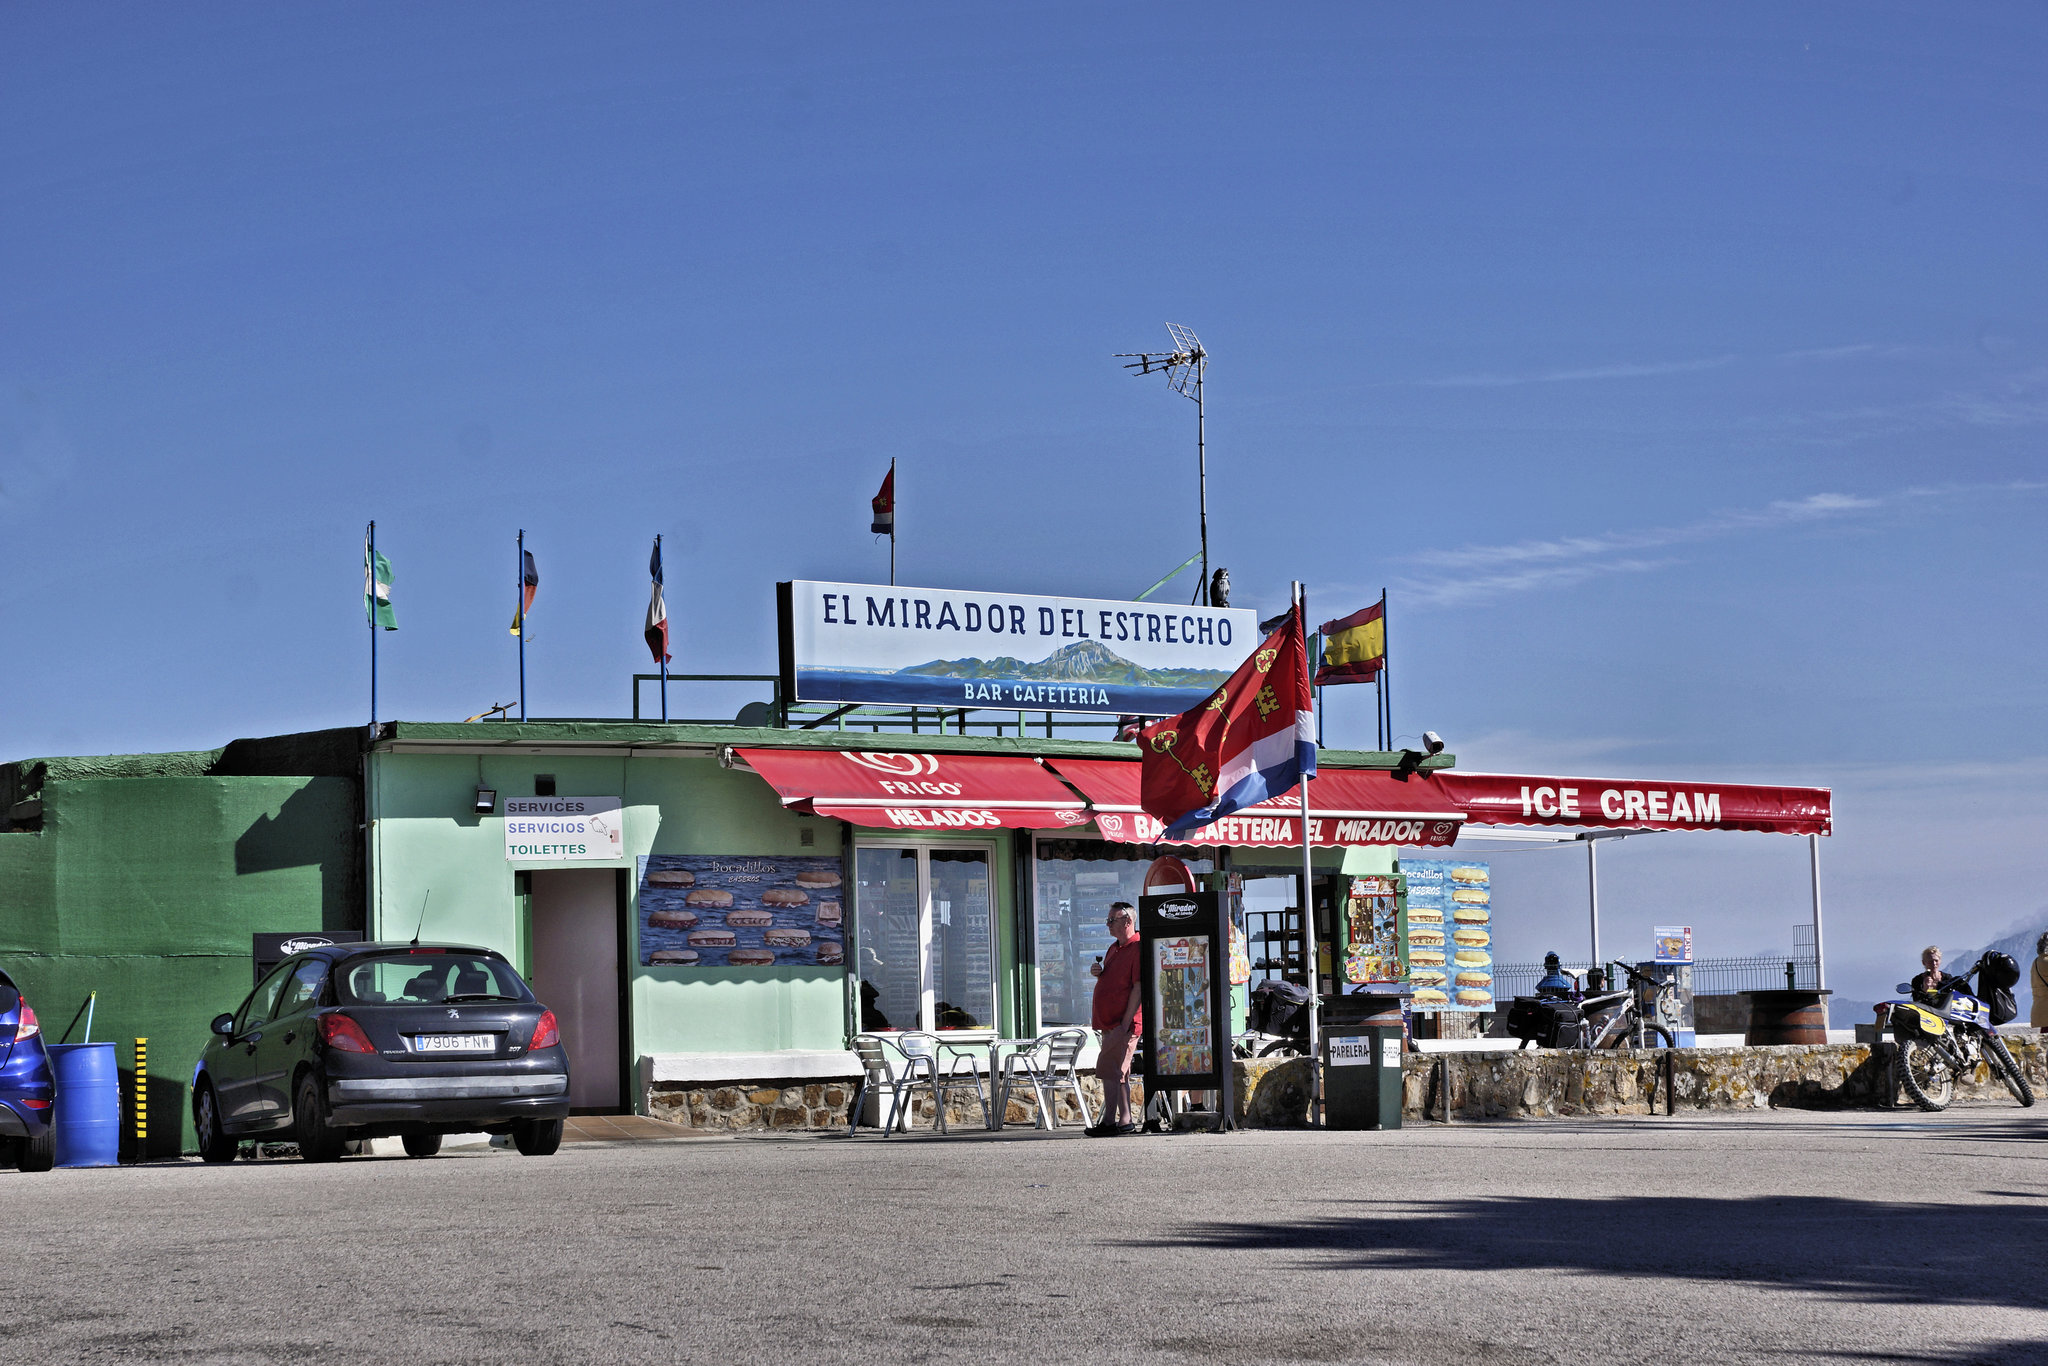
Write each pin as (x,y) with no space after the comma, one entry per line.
(141,1095)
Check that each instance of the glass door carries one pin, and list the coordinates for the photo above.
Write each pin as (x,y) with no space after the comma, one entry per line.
(925,924)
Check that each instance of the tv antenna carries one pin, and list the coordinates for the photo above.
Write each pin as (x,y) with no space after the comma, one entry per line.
(1184,367)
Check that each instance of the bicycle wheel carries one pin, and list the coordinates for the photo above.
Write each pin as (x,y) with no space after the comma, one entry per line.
(1660,1032)
(2008,1071)
(1924,1072)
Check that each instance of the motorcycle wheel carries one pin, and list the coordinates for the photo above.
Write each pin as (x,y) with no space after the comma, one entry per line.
(2008,1071)
(1279,1048)
(1924,1072)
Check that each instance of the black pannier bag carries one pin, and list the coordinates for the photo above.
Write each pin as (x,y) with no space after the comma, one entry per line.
(1276,1007)
(1545,1021)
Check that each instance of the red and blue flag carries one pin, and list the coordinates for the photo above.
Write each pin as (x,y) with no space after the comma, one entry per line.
(1254,738)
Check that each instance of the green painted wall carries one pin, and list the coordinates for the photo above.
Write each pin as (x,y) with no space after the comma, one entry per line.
(144,883)
(429,846)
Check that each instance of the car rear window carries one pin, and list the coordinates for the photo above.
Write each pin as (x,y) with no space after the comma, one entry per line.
(427,979)
(9,998)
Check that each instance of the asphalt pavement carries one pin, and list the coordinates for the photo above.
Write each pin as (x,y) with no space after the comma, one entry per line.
(1779,1237)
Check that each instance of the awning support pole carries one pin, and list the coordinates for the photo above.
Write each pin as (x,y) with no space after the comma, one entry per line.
(1820,970)
(1593,893)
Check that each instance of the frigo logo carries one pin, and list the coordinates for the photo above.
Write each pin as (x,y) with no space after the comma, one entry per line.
(895,765)
(1177,910)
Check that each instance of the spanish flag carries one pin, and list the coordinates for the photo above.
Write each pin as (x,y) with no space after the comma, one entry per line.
(1355,647)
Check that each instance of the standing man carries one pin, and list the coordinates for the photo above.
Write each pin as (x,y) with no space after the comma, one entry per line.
(1117,1015)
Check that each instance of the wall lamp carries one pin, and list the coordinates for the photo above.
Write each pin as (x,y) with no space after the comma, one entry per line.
(486,800)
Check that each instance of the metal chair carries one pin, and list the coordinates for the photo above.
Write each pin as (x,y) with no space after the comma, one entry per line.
(926,1070)
(1045,1064)
(883,1079)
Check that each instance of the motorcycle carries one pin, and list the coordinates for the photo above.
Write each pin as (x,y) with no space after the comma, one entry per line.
(1944,1033)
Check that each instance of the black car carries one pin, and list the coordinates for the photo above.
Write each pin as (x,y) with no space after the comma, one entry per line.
(351,1041)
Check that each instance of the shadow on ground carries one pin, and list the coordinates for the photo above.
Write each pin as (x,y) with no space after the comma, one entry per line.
(1875,1251)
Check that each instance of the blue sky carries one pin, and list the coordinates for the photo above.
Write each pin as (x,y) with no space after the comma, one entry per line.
(1682,375)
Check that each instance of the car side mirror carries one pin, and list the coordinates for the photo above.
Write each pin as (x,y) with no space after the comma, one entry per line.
(1904,986)
(224,1025)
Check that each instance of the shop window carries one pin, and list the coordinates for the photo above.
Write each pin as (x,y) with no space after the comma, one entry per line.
(1076,880)
(925,936)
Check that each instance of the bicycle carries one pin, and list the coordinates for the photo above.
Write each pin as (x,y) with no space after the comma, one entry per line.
(1632,1025)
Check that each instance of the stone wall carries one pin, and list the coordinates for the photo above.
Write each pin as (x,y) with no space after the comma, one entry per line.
(1554,1084)
(785,1104)
(1530,1084)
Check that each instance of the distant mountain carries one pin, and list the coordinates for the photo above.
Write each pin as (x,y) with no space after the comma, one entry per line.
(1084,661)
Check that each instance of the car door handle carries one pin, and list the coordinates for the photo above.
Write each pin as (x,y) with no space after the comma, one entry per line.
(290,1035)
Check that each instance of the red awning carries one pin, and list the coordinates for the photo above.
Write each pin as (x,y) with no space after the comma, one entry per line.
(1346,806)
(919,791)
(1637,804)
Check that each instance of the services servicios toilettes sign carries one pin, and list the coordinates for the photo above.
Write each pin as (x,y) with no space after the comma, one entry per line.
(945,647)
(564,829)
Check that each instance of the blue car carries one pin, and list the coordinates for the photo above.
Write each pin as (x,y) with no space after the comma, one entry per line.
(26,1086)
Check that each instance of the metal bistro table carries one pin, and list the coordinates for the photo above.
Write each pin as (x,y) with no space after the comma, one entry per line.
(992,1049)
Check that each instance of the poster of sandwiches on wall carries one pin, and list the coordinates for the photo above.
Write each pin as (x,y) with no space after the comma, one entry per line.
(725,911)
(1449,931)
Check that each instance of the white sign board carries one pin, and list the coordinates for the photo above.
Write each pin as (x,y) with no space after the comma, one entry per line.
(949,647)
(564,829)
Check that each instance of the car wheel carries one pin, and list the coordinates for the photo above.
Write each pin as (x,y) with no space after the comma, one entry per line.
(39,1154)
(536,1137)
(422,1145)
(317,1142)
(214,1143)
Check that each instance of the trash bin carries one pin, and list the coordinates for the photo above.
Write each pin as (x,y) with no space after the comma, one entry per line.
(1362,1042)
(87,1113)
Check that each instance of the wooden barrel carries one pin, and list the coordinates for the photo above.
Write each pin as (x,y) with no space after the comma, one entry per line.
(1777,1017)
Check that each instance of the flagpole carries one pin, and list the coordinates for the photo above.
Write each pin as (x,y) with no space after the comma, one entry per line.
(519,612)
(1386,675)
(892,522)
(1308,919)
(370,571)
(664,632)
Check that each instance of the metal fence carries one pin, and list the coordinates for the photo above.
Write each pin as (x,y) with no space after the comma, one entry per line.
(1710,976)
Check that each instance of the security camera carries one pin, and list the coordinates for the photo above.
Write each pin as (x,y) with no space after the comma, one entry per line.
(1432,742)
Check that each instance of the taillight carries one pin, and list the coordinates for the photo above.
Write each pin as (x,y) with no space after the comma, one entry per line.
(547,1033)
(36,1104)
(345,1035)
(28,1028)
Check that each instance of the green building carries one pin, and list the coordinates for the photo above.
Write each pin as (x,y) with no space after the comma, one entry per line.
(699,920)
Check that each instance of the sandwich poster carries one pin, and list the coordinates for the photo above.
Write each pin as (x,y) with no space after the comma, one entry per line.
(1448,929)
(718,911)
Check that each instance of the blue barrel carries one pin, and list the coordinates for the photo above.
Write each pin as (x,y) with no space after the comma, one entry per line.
(88,1107)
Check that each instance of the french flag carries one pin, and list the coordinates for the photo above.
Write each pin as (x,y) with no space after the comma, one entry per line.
(1252,739)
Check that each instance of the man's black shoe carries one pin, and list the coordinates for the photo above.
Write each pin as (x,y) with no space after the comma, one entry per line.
(1100,1129)
(1123,1131)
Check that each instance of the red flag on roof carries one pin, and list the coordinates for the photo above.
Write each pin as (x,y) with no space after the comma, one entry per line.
(885,505)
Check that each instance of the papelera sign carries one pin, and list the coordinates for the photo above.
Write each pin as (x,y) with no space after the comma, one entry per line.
(1518,799)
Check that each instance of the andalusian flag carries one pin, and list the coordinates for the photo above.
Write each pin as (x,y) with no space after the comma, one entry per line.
(377,587)
(529,584)
(1355,647)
